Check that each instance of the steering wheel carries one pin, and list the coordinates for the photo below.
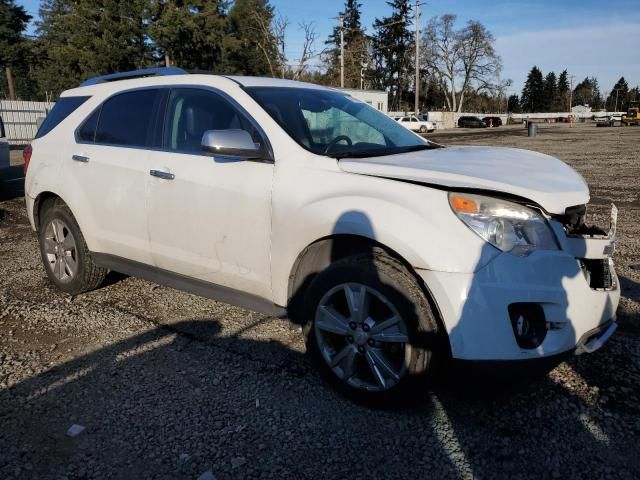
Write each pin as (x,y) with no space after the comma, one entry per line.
(335,141)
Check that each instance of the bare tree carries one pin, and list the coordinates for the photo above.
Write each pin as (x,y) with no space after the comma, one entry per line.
(273,34)
(279,30)
(460,59)
(268,35)
(308,51)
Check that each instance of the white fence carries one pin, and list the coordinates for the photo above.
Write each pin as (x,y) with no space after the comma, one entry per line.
(21,119)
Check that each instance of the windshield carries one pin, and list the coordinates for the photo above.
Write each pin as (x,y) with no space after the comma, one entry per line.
(334,124)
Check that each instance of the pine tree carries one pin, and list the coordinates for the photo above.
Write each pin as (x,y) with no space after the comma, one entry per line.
(355,48)
(393,52)
(533,92)
(250,45)
(550,93)
(620,91)
(82,38)
(563,91)
(190,34)
(513,104)
(587,92)
(13,46)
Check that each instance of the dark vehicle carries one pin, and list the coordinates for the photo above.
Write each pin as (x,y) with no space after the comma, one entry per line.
(4,146)
(492,121)
(470,122)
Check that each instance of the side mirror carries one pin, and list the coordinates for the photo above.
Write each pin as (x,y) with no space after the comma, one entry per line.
(231,143)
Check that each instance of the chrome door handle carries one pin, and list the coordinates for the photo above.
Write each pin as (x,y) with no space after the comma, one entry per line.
(161,174)
(80,158)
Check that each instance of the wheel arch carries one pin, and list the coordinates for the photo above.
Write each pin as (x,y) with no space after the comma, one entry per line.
(42,199)
(319,254)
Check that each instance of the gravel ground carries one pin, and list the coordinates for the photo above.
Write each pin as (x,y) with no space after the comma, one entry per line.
(170,385)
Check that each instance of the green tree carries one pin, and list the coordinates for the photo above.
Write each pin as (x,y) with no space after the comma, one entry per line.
(190,34)
(533,92)
(513,104)
(355,48)
(551,97)
(587,92)
(82,38)
(563,91)
(13,45)
(250,45)
(619,94)
(393,47)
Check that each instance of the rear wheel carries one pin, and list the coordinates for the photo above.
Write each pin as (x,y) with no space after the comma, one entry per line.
(423,129)
(64,252)
(370,329)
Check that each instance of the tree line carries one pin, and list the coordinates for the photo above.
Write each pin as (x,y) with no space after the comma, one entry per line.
(77,39)
(549,93)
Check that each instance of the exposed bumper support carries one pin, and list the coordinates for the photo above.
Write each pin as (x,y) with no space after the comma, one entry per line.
(593,340)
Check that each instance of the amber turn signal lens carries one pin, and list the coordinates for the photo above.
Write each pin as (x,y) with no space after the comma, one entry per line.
(463,205)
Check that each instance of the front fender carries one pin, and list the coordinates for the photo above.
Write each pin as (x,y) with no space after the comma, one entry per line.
(414,221)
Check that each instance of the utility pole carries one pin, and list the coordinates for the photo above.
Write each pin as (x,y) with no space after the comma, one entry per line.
(616,108)
(570,92)
(341,51)
(417,85)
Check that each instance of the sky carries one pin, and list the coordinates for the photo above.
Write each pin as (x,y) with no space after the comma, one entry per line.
(587,37)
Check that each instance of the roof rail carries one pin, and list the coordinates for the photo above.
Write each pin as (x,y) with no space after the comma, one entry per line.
(145,72)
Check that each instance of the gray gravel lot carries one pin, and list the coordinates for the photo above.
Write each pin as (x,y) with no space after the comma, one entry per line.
(170,385)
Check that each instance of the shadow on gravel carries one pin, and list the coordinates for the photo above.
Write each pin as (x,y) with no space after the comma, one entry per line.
(630,288)
(177,401)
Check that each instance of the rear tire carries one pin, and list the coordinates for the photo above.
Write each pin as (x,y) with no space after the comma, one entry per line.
(65,255)
(364,352)
(423,129)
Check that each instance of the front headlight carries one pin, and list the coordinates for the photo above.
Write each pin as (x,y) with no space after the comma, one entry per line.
(507,226)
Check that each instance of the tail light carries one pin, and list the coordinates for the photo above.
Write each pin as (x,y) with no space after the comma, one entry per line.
(26,156)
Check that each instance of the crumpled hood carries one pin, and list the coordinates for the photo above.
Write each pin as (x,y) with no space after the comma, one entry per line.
(543,179)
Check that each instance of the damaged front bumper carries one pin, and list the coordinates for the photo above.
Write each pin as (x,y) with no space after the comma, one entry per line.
(574,291)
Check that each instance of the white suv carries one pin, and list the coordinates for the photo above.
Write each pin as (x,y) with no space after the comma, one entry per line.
(417,124)
(395,254)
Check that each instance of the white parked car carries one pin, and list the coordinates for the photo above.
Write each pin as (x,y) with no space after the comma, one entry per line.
(394,253)
(417,124)
(4,146)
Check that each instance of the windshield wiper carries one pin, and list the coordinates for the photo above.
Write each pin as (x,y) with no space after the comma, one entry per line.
(362,153)
(382,152)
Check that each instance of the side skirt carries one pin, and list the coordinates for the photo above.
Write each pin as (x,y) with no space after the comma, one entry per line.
(187,284)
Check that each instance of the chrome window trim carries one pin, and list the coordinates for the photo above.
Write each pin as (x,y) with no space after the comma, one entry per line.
(268,148)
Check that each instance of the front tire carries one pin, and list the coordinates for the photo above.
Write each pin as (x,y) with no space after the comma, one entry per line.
(371,330)
(65,255)
(423,129)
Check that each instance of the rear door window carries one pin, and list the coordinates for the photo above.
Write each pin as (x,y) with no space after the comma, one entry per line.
(128,119)
(61,110)
(87,131)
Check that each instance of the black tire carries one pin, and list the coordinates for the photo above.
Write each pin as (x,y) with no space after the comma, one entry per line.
(88,275)
(423,129)
(428,345)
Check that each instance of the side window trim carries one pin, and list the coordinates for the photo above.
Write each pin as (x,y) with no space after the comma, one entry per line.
(160,117)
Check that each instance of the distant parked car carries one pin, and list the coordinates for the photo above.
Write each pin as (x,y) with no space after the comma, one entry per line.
(4,146)
(470,122)
(492,121)
(607,121)
(417,124)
